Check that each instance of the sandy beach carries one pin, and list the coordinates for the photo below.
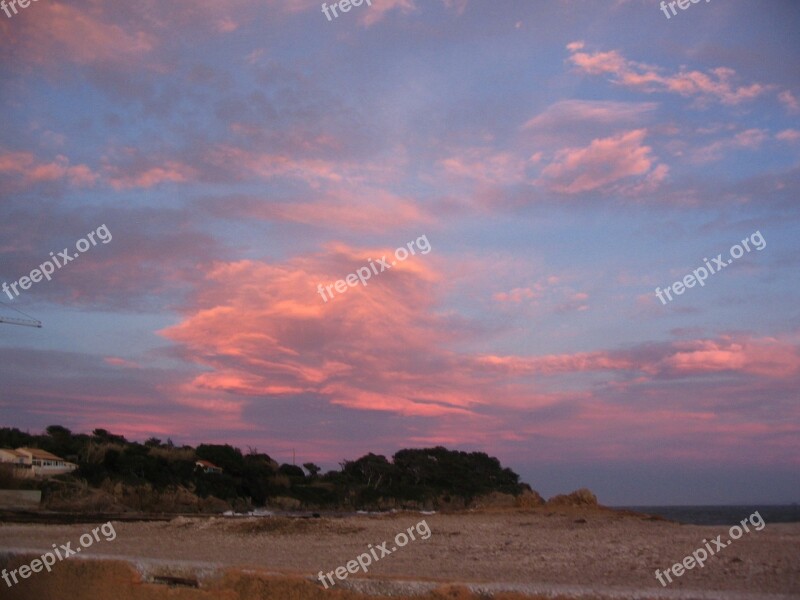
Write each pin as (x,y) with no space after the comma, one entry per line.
(543,553)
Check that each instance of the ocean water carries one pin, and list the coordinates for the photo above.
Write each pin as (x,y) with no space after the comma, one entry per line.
(722,515)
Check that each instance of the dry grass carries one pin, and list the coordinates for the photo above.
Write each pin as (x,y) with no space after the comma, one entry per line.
(285,588)
(111,580)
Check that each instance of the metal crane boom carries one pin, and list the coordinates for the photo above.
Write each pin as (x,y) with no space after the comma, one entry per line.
(29,322)
(24,322)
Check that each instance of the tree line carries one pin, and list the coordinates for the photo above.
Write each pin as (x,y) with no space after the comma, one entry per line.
(419,476)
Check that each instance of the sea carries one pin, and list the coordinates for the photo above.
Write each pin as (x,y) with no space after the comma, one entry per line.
(722,515)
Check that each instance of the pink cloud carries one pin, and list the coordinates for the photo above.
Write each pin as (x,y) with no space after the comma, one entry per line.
(649,184)
(350,194)
(568,113)
(121,362)
(269,166)
(553,364)
(26,167)
(485,166)
(789,101)
(227,25)
(603,162)
(516,295)
(715,84)
(81,36)
(265,332)
(767,357)
(750,139)
(149,176)
(547,292)
(764,357)
(381,8)
(788,135)
(262,331)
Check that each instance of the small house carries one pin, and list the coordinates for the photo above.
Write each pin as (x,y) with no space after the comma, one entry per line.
(207,467)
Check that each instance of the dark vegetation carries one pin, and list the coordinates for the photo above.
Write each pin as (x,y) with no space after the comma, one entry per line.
(413,478)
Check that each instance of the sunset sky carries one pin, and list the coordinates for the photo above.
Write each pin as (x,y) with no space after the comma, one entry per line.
(563,158)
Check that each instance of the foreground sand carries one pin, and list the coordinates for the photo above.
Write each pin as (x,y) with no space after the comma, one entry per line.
(544,552)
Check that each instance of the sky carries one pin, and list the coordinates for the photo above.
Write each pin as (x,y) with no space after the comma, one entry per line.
(551,163)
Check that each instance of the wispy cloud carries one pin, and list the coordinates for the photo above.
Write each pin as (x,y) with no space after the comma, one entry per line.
(717,84)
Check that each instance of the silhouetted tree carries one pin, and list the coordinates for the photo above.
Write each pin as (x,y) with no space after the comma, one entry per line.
(312,469)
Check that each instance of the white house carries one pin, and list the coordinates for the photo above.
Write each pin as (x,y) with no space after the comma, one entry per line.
(9,456)
(40,462)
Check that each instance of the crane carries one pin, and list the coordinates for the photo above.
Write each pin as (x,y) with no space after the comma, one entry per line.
(25,322)
(29,322)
